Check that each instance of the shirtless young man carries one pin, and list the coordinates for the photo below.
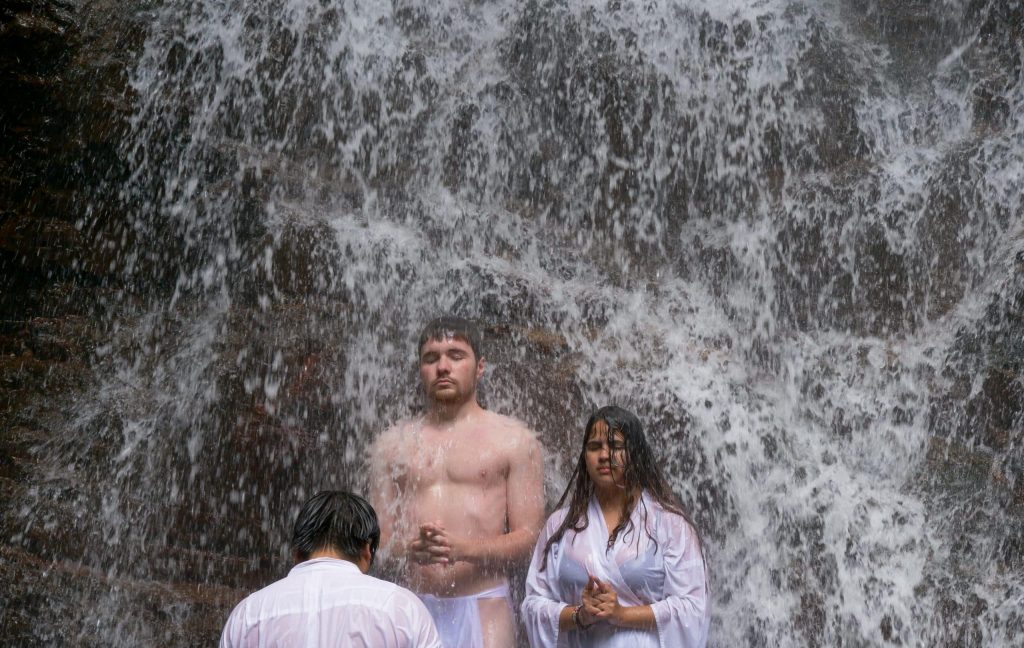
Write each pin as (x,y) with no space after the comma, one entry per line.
(460,494)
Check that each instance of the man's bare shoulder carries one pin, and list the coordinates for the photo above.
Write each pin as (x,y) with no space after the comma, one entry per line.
(394,436)
(511,432)
(507,425)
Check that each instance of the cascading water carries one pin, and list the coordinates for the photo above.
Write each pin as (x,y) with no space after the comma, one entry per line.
(789,235)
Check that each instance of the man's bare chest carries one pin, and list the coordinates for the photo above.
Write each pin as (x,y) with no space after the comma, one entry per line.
(456,464)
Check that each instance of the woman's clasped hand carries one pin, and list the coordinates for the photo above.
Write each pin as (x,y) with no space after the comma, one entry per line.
(600,603)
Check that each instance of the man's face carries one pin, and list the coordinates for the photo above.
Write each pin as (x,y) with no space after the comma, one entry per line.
(449,370)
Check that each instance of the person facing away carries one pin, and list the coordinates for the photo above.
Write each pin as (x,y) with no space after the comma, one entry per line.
(327,599)
(621,566)
(460,491)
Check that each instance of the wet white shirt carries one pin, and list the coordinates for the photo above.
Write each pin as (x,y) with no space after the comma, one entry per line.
(329,602)
(667,573)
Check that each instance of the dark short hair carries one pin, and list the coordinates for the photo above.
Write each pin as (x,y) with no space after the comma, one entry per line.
(450,326)
(336,520)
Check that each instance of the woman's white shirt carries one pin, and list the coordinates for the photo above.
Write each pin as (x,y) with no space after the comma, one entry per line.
(666,572)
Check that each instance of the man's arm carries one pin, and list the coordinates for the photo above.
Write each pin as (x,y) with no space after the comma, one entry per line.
(524,509)
(384,498)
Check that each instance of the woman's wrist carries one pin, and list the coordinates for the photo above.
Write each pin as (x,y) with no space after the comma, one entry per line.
(637,617)
(577,617)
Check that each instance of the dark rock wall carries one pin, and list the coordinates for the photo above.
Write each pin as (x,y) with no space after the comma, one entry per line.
(64,105)
(62,285)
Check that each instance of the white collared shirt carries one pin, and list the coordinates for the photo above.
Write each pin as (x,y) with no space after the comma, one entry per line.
(329,602)
(657,563)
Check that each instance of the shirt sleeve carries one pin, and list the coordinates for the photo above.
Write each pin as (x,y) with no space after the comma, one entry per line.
(542,605)
(234,631)
(683,615)
(413,622)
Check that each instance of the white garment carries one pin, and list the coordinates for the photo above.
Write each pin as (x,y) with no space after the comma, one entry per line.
(458,618)
(669,576)
(329,602)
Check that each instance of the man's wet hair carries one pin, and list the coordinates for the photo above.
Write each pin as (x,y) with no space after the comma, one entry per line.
(450,326)
(336,520)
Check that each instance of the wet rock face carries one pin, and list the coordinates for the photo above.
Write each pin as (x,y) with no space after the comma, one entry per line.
(979,422)
(170,497)
(976,459)
(37,42)
(919,34)
(64,107)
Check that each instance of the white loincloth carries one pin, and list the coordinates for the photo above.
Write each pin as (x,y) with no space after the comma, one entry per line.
(458,618)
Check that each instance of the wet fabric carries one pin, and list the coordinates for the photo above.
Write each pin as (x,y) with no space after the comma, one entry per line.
(329,602)
(458,618)
(666,573)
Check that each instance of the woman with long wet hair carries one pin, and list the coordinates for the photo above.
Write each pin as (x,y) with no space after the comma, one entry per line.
(621,565)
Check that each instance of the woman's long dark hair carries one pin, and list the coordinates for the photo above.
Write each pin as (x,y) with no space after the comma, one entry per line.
(641,473)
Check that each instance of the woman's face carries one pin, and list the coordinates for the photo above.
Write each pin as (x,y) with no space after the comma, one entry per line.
(605,456)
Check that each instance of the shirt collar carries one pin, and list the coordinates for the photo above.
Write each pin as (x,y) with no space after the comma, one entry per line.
(326,563)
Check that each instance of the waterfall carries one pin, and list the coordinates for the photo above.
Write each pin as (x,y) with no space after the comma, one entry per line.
(789,235)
